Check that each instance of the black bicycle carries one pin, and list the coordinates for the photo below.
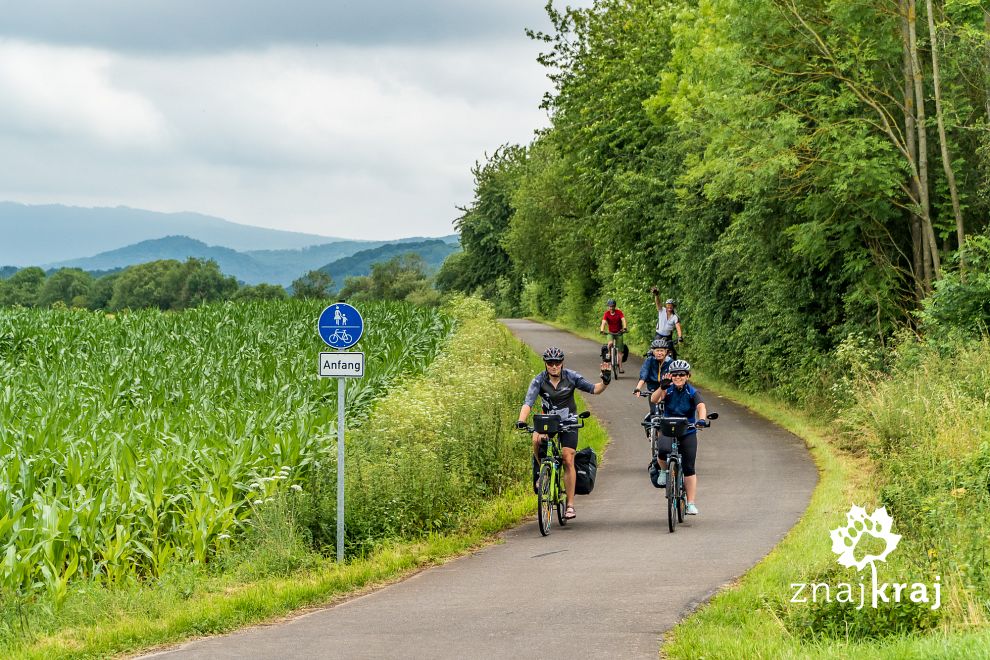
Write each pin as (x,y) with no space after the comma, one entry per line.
(614,357)
(676,428)
(550,491)
(651,420)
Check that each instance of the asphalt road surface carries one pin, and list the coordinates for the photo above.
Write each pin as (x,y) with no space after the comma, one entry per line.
(605,586)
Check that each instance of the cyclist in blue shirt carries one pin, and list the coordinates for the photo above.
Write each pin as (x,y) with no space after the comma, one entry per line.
(681,399)
(555,387)
(653,373)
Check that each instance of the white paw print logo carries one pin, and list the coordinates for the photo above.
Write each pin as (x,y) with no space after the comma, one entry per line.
(845,539)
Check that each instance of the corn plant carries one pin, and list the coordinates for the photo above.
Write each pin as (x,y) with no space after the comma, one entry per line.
(132,441)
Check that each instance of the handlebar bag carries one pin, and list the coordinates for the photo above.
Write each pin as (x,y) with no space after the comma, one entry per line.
(586,466)
(673,427)
(546,424)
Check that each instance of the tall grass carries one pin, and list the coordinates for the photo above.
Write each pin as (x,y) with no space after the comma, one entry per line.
(136,441)
(438,446)
(926,429)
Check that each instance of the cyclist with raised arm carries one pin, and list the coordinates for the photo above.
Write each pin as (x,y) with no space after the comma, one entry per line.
(681,399)
(614,325)
(667,321)
(555,387)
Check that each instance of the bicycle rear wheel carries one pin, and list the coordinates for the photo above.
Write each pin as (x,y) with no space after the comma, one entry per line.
(544,499)
(673,473)
(681,496)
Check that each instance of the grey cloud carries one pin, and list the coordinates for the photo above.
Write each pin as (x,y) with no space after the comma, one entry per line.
(217,25)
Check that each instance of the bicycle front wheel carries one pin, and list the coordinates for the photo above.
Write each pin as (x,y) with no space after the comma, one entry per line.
(544,498)
(673,473)
(615,363)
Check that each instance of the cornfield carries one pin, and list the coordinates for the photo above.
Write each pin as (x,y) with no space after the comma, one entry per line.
(129,442)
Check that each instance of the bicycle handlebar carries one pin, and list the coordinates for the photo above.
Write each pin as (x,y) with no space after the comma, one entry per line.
(564,427)
(700,424)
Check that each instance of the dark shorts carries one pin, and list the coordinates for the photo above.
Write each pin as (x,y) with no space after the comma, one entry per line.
(688,446)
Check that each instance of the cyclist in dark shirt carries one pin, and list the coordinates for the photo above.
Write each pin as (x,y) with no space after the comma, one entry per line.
(555,387)
(681,400)
(653,373)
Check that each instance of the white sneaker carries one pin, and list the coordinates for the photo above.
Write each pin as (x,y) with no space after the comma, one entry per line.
(691,509)
(662,478)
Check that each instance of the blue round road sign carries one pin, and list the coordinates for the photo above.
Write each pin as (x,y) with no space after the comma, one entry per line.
(340,326)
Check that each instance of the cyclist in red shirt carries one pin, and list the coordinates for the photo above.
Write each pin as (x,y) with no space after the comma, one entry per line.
(615,321)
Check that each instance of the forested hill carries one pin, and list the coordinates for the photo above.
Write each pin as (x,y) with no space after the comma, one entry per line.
(795,173)
(433,253)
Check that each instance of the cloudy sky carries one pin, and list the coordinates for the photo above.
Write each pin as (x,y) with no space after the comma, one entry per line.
(353,119)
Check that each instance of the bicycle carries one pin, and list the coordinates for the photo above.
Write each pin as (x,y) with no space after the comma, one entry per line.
(655,413)
(614,358)
(676,428)
(550,492)
(340,335)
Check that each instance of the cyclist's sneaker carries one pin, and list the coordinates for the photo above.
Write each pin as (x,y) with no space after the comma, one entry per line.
(657,476)
(691,509)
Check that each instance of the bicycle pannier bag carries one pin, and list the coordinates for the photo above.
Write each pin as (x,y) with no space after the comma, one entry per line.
(586,466)
(546,423)
(625,352)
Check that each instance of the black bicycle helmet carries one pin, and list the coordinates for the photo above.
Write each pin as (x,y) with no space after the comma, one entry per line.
(661,343)
(679,365)
(610,302)
(553,353)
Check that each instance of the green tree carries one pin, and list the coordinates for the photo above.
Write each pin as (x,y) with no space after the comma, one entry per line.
(69,285)
(357,287)
(314,284)
(260,292)
(101,291)
(22,287)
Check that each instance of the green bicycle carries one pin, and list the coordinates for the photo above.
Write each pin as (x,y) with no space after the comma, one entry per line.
(550,493)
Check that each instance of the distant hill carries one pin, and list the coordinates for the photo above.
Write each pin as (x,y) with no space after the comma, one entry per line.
(271,266)
(292,263)
(34,235)
(7,271)
(433,252)
(240,265)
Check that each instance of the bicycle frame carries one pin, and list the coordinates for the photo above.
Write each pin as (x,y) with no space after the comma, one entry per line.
(553,495)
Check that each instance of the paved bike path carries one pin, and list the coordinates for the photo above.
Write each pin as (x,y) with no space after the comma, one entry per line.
(606,586)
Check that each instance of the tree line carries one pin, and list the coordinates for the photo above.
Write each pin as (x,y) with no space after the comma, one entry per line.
(793,172)
(169,284)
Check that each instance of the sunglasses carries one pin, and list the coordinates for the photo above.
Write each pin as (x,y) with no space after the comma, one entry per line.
(679,374)
(554,363)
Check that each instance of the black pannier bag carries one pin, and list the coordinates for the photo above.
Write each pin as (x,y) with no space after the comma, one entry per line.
(625,352)
(586,466)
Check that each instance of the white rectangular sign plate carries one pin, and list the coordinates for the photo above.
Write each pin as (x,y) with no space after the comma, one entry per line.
(341,365)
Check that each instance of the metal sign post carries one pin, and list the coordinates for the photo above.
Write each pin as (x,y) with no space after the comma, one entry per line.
(340,326)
